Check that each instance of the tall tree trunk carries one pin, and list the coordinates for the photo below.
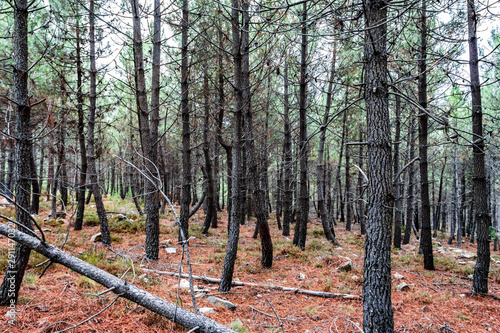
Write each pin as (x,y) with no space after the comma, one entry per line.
(348,204)
(152,203)
(236,194)
(481,212)
(94,184)
(320,166)
(35,186)
(300,235)
(377,309)
(397,184)
(426,235)
(411,183)
(259,199)
(287,160)
(186,132)
(81,136)
(211,213)
(9,290)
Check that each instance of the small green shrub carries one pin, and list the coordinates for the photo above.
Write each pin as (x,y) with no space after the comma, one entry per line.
(91,219)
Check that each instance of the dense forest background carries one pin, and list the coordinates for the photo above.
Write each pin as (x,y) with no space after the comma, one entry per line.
(378,118)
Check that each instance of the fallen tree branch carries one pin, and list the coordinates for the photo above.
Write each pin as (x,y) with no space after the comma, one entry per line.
(239,283)
(123,288)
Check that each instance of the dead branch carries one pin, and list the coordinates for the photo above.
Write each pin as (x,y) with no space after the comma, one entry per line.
(123,288)
(250,284)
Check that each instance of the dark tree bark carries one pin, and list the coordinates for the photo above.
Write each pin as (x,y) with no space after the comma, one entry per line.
(348,204)
(377,309)
(361,204)
(481,212)
(186,132)
(81,137)
(94,184)
(411,183)
(425,214)
(211,212)
(9,290)
(300,235)
(439,204)
(236,194)
(320,166)
(152,202)
(287,160)
(259,199)
(35,187)
(397,184)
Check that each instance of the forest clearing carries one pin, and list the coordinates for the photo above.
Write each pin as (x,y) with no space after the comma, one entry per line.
(435,301)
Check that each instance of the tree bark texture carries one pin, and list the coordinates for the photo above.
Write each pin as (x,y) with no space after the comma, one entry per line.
(94,184)
(300,235)
(426,235)
(481,212)
(377,309)
(9,290)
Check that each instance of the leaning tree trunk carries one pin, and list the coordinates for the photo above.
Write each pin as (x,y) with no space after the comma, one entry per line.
(377,309)
(426,235)
(236,202)
(151,203)
(9,290)
(121,288)
(94,184)
(481,212)
(300,235)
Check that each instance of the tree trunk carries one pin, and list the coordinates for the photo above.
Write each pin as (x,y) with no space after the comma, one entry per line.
(320,165)
(186,132)
(259,199)
(411,186)
(426,235)
(287,160)
(94,184)
(397,183)
(9,290)
(81,137)
(300,235)
(481,212)
(120,287)
(211,213)
(152,203)
(377,309)
(236,193)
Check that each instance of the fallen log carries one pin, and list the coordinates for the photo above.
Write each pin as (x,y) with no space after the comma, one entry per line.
(190,320)
(250,284)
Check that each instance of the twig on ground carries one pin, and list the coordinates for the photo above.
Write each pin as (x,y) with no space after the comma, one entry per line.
(277,317)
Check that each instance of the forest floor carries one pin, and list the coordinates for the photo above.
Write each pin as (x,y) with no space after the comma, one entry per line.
(436,301)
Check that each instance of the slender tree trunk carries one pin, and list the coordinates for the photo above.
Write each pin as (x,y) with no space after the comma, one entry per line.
(186,131)
(236,194)
(348,204)
(320,165)
(81,136)
(9,290)
(94,184)
(397,184)
(152,202)
(211,213)
(377,309)
(259,199)
(411,186)
(481,212)
(287,160)
(300,235)
(35,201)
(426,235)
